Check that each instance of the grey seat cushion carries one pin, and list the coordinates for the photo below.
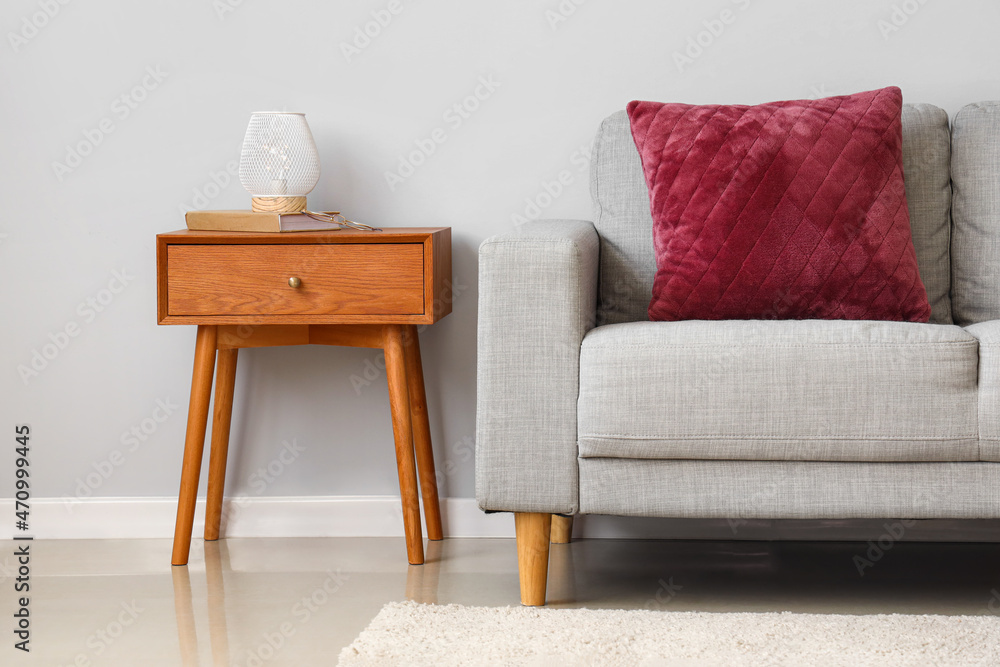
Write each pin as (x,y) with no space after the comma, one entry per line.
(779,390)
(623,220)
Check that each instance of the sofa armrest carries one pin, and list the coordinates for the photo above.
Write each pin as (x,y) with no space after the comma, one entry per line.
(988,335)
(537,299)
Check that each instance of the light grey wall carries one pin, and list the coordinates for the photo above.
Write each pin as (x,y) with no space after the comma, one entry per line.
(558,68)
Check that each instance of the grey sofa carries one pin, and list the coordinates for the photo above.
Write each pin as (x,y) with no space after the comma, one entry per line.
(584,406)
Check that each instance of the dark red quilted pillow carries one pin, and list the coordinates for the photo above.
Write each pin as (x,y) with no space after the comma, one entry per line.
(789,210)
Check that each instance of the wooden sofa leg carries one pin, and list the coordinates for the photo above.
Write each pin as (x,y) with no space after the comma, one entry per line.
(562,529)
(533,531)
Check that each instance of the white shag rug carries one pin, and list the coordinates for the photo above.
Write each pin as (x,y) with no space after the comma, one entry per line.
(407,633)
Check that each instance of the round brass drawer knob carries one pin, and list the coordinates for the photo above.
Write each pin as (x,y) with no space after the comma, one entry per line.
(295,282)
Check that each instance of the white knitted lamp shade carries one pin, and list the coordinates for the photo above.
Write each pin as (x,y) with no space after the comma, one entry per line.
(279,164)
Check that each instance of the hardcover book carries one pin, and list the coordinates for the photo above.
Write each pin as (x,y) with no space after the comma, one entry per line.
(257,221)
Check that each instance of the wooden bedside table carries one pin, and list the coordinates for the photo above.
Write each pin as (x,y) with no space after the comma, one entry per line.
(359,289)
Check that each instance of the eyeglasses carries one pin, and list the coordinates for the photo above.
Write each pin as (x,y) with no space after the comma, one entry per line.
(334,217)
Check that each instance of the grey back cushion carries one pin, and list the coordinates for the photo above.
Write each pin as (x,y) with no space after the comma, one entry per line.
(623,221)
(975,251)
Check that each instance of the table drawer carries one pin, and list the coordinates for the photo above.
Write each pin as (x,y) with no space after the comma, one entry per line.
(336,279)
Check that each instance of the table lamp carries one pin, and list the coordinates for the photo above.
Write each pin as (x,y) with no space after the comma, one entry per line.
(279,164)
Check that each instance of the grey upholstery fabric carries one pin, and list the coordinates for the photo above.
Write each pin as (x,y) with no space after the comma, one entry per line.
(789,489)
(623,220)
(988,334)
(765,419)
(975,248)
(927,175)
(779,390)
(537,299)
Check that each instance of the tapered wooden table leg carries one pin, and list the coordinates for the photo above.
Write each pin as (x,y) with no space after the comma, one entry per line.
(532,531)
(225,382)
(562,527)
(399,404)
(194,442)
(422,434)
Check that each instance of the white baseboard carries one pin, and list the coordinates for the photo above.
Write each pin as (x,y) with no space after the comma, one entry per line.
(296,516)
(381,516)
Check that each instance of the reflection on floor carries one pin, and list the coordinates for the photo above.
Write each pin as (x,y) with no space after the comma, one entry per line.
(299,601)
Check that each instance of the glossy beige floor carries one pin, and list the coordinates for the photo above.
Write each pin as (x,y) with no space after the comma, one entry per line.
(299,601)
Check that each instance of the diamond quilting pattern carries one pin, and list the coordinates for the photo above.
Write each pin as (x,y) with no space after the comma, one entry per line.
(786,210)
